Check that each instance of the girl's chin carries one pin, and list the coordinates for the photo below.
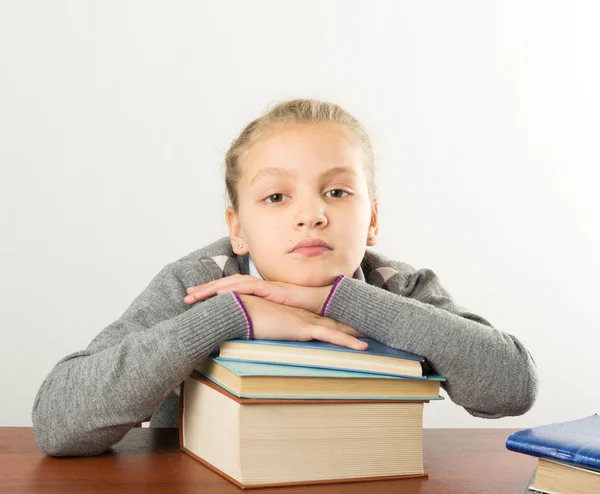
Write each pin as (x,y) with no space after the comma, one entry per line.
(311,279)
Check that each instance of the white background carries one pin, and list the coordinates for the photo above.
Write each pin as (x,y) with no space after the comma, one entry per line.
(115,117)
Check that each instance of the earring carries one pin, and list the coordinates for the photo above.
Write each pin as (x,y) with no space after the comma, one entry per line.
(371,237)
(239,246)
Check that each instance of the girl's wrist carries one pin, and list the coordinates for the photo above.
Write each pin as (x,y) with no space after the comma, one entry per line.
(242,306)
(330,295)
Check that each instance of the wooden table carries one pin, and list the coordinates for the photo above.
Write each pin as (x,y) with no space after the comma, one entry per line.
(458,461)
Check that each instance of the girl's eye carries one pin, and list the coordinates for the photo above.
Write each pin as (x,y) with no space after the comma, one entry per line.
(273,196)
(338,190)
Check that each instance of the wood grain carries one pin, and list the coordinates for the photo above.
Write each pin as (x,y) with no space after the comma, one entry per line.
(458,461)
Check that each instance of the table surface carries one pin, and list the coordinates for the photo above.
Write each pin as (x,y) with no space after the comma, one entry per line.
(458,461)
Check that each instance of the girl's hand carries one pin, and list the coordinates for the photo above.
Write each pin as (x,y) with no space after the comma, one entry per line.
(272,321)
(302,297)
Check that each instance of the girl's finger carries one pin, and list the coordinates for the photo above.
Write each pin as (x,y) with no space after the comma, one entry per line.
(338,326)
(337,337)
(200,292)
(253,287)
(233,278)
(235,288)
(196,296)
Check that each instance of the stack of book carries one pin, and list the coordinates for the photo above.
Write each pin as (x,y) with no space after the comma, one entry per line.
(267,413)
(568,455)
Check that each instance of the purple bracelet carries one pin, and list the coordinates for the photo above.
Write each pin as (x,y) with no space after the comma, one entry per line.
(334,288)
(250,332)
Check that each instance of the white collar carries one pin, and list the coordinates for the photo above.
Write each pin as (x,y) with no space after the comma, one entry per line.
(358,274)
(253,271)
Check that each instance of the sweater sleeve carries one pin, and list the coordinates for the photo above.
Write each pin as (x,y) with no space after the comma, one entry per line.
(488,372)
(92,398)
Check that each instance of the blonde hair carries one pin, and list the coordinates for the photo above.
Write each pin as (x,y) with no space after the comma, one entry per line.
(295,111)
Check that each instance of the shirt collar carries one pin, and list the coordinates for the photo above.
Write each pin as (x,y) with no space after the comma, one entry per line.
(358,274)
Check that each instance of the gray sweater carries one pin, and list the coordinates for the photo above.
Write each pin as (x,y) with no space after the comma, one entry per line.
(132,368)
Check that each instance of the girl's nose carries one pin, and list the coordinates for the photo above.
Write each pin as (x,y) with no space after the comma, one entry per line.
(311,217)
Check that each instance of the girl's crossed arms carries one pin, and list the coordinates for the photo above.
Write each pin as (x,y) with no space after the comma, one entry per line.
(301,175)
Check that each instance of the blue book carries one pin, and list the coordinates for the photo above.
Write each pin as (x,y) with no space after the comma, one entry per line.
(576,442)
(259,380)
(376,359)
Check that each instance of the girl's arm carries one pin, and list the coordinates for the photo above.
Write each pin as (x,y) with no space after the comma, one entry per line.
(92,398)
(489,372)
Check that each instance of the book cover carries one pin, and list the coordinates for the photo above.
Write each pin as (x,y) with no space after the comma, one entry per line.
(576,442)
(375,349)
(258,369)
(243,368)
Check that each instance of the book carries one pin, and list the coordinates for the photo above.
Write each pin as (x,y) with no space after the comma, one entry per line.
(377,359)
(269,442)
(576,442)
(553,477)
(568,455)
(259,380)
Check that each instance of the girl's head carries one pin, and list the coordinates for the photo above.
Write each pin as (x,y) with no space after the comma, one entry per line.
(304,170)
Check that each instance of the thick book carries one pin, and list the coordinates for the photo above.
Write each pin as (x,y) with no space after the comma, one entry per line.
(376,359)
(269,442)
(260,380)
(553,477)
(576,442)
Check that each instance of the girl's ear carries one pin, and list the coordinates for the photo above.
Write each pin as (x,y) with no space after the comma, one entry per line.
(238,243)
(374,225)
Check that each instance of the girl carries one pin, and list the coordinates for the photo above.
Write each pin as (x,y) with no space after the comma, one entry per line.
(295,266)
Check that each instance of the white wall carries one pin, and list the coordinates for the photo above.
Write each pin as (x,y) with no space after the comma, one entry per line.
(115,118)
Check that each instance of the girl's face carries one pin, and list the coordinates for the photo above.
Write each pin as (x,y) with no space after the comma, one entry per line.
(298,182)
